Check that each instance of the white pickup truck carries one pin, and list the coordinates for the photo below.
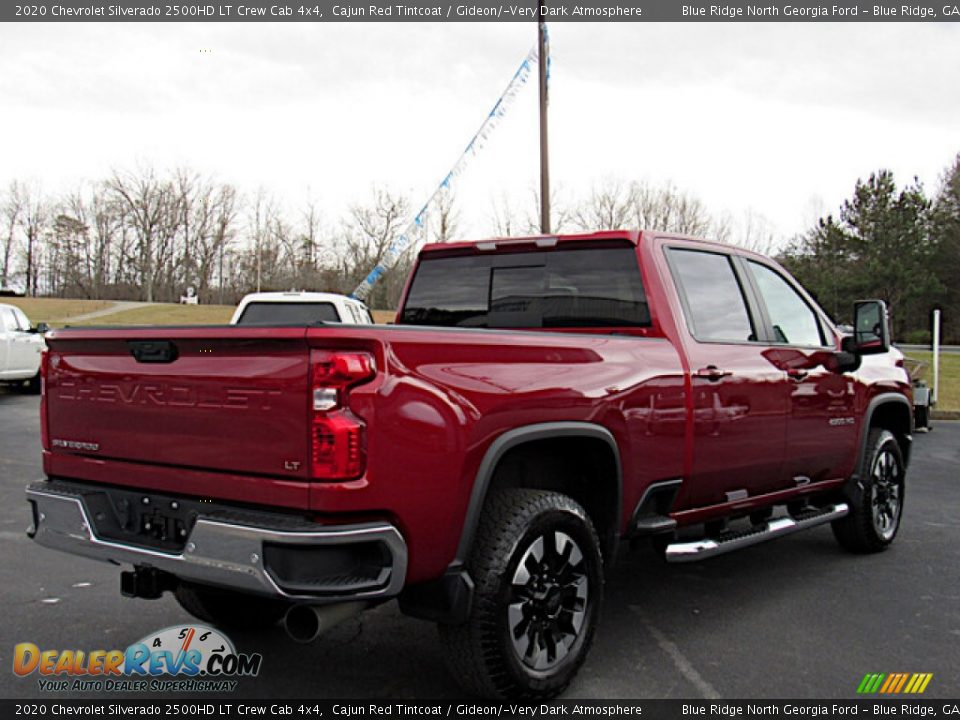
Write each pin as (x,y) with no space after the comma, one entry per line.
(300,308)
(20,348)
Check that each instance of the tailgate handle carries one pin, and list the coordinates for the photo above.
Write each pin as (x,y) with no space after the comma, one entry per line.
(153,351)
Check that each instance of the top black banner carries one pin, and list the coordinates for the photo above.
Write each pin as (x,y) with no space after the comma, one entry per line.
(482,10)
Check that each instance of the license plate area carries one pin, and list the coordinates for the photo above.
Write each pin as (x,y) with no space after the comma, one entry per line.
(145,519)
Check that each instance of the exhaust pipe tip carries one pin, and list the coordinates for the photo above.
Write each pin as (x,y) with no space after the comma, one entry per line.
(306,623)
(302,624)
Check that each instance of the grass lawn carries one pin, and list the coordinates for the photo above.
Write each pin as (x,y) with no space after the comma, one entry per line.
(949,377)
(50,310)
(167,314)
(55,310)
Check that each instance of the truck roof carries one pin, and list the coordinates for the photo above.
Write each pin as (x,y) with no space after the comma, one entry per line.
(545,241)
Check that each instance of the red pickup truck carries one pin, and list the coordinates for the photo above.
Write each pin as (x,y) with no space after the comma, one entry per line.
(538,401)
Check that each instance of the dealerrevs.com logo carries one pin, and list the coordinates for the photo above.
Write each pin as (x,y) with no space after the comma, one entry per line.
(192,658)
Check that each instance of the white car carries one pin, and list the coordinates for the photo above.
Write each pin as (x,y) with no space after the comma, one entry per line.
(20,348)
(300,308)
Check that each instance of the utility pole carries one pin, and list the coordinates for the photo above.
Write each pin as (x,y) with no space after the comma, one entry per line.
(544,155)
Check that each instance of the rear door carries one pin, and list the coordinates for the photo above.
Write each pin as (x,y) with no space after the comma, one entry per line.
(739,396)
(222,399)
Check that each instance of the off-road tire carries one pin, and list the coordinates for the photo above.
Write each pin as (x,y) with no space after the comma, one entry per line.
(874,518)
(484,651)
(227,609)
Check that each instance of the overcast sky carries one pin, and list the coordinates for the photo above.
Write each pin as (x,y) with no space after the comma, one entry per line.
(777,118)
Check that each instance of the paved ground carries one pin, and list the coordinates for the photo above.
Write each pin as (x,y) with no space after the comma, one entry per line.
(795,618)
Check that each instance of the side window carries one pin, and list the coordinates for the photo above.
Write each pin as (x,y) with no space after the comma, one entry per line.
(794,322)
(22,319)
(714,298)
(8,321)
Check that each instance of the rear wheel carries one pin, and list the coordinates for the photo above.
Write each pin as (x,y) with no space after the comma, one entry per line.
(874,520)
(227,609)
(539,585)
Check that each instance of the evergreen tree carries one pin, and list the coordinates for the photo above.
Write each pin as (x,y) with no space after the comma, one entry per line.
(881,246)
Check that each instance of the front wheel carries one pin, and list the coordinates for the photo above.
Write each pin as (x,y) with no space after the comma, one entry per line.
(874,520)
(539,585)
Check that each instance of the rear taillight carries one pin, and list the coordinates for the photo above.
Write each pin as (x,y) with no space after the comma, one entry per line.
(337,436)
(44,433)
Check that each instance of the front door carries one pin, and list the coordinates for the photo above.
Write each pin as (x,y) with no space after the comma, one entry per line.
(821,428)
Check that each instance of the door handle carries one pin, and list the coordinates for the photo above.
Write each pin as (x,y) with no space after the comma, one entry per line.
(712,373)
(797,375)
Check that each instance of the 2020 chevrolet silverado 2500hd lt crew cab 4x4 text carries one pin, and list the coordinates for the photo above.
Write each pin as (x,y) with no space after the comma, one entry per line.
(539,400)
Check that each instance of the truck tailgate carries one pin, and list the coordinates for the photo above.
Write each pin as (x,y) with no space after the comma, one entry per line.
(212,398)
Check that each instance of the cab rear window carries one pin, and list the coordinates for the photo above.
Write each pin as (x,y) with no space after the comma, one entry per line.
(288,313)
(599,287)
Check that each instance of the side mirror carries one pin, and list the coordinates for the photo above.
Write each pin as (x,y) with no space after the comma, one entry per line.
(871,328)
(42,328)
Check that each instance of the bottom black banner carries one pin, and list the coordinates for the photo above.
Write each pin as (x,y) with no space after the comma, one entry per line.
(475,709)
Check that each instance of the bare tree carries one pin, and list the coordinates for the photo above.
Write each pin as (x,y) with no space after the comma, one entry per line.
(146,200)
(33,222)
(755,232)
(611,205)
(669,210)
(213,250)
(104,221)
(368,233)
(503,216)
(561,217)
(443,220)
(11,208)
(309,239)
(261,220)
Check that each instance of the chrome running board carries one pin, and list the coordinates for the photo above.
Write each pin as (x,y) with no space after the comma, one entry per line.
(778,527)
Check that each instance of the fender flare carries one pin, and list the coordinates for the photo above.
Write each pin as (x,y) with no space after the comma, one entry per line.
(519,436)
(853,487)
(449,598)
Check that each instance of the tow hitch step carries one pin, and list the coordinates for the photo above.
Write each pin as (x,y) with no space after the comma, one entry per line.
(778,527)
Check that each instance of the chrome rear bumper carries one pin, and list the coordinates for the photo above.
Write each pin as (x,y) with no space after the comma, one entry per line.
(226,554)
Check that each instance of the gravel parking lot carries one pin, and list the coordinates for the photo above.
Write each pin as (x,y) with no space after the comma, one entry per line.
(795,618)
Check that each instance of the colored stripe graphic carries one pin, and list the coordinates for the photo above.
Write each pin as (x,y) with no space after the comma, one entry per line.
(900,684)
(894,683)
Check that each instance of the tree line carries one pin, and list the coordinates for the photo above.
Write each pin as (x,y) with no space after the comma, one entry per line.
(893,243)
(147,234)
